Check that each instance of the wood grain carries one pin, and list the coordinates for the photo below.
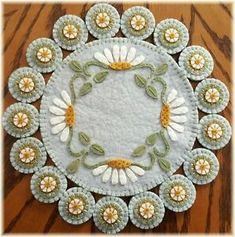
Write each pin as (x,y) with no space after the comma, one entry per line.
(209,26)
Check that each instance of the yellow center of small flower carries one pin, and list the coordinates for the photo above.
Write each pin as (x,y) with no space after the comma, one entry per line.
(120,65)
(119,163)
(70,31)
(26,84)
(110,215)
(70,116)
(165,115)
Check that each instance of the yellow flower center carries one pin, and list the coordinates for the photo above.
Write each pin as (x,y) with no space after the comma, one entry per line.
(120,65)
(70,116)
(165,115)
(119,163)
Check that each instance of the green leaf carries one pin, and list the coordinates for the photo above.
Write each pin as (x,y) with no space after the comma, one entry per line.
(140,81)
(151,140)
(157,79)
(139,151)
(161,70)
(100,77)
(97,149)
(75,66)
(151,92)
(85,89)
(164,164)
(73,166)
(84,138)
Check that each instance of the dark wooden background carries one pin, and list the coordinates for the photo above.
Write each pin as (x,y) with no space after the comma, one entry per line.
(209,26)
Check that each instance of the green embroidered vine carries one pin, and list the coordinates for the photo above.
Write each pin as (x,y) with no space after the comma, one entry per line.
(154,152)
(146,83)
(81,155)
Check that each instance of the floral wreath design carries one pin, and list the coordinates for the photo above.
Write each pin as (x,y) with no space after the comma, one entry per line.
(48,184)
(120,58)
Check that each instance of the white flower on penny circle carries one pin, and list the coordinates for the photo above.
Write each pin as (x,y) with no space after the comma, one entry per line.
(118,170)
(102,20)
(197,61)
(20,120)
(171,35)
(76,206)
(26,84)
(172,115)
(27,155)
(64,116)
(212,95)
(70,31)
(120,58)
(146,210)
(110,215)
(44,55)
(178,193)
(138,22)
(47,184)
(214,131)
(202,167)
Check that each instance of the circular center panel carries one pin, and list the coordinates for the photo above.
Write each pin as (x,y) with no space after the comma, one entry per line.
(118,116)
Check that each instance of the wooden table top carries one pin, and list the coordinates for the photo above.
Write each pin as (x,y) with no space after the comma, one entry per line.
(209,26)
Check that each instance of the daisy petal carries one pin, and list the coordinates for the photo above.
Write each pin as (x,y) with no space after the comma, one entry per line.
(101,58)
(131,55)
(123,53)
(66,97)
(177,102)
(99,170)
(57,111)
(172,95)
(122,177)
(107,174)
(179,119)
(172,134)
(116,53)
(60,103)
(115,177)
(108,55)
(58,128)
(137,170)
(57,119)
(179,128)
(138,60)
(131,175)
(180,110)
(65,134)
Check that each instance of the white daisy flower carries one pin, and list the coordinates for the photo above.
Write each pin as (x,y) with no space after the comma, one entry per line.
(146,210)
(44,55)
(118,170)
(173,115)
(47,184)
(197,61)
(27,155)
(20,120)
(110,215)
(76,206)
(214,131)
(65,116)
(70,31)
(102,20)
(202,167)
(26,84)
(171,35)
(138,22)
(212,95)
(178,193)
(120,58)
